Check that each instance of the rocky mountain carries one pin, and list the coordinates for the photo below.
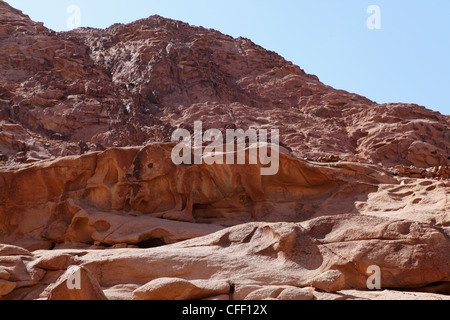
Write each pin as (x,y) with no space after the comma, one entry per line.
(87,184)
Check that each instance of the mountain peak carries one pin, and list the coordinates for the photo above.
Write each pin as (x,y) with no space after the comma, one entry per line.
(14,21)
(132,84)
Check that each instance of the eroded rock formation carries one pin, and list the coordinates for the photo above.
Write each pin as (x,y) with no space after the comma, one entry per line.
(87,183)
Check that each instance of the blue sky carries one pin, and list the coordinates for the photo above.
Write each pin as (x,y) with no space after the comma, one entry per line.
(407,60)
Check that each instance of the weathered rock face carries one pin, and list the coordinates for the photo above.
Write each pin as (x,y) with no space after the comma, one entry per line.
(88,187)
(115,203)
(131,84)
(258,260)
(121,195)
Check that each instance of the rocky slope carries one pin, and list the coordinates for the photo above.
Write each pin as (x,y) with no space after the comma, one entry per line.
(87,184)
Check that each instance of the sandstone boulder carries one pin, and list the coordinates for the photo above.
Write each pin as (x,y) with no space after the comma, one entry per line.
(6,287)
(75,284)
(180,289)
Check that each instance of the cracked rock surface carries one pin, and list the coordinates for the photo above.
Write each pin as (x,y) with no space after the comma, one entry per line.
(89,195)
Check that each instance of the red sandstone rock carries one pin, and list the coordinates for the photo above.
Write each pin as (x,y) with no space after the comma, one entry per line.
(83,171)
(132,84)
